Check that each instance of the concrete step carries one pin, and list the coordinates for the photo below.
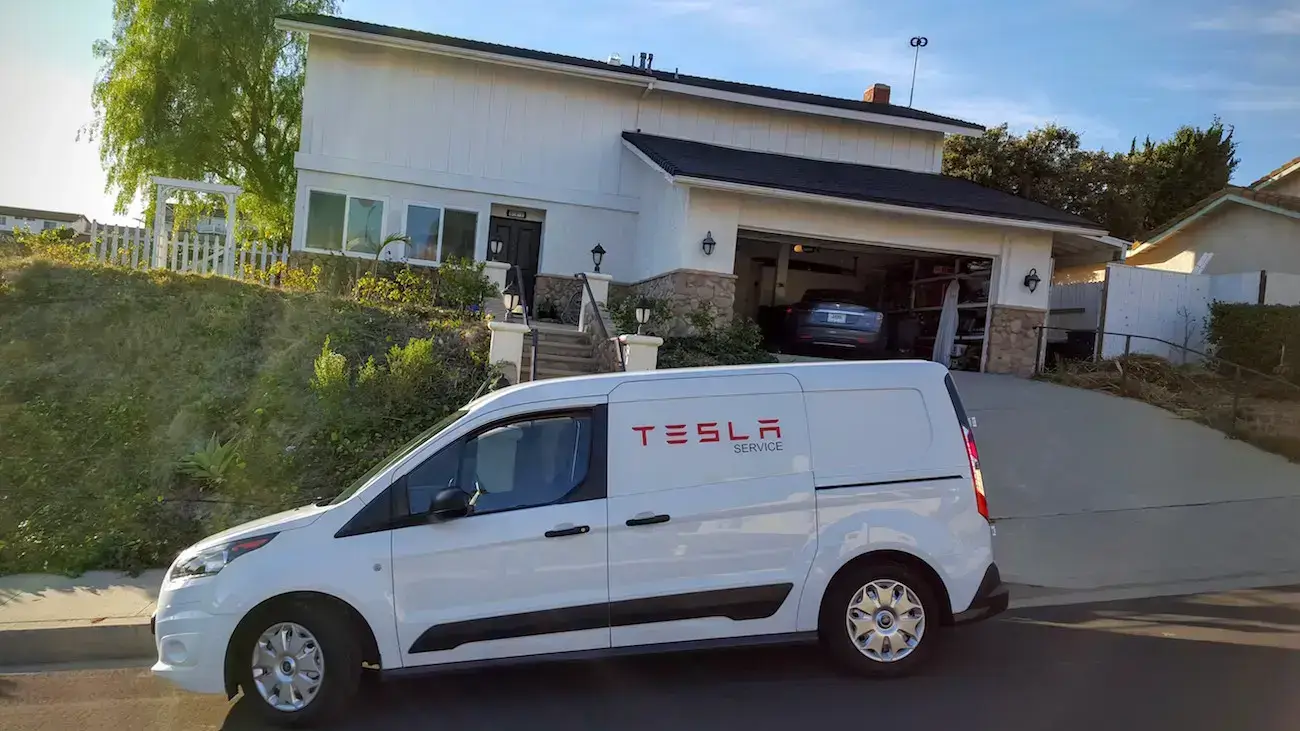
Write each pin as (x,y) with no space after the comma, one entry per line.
(547,359)
(563,348)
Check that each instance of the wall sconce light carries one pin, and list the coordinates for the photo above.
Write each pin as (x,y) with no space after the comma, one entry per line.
(510,298)
(642,315)
(708,243)
(1032,280)
(597,256)
(494,248)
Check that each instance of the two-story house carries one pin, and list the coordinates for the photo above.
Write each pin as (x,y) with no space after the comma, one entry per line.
(700,190)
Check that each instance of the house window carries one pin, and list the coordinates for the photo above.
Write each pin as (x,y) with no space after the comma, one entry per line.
(338,222)
(47,225)
(439,234)
(3,221)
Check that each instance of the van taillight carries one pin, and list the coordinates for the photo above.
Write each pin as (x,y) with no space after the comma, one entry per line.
(977,477)
(972,452)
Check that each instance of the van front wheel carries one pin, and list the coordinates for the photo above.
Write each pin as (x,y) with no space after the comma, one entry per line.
(300,662)
(876,620)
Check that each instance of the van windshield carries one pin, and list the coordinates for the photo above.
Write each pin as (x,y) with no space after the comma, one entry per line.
(397,455)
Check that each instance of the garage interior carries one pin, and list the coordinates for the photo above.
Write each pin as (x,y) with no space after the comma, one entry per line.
(909,287)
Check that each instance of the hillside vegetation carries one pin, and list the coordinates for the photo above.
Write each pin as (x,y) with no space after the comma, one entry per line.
(140,411)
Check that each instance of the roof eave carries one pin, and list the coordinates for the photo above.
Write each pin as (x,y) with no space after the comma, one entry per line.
(647,82)
(884,207)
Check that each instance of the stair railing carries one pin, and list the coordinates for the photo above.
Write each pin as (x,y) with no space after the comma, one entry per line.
(524,305)
(600,321)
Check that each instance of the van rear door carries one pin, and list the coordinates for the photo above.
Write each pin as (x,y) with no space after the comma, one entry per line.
(712,524)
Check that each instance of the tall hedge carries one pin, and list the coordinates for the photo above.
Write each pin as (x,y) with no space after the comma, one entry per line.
(1263,337)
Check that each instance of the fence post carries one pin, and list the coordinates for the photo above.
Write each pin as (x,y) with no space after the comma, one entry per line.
(1039,356)
(1123,369)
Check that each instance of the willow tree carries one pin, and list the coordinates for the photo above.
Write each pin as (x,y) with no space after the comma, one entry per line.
(204,90)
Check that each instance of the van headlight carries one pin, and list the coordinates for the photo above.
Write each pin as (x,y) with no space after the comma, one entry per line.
(211,560)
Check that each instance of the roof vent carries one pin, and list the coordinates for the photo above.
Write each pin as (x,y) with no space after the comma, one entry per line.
(614,60)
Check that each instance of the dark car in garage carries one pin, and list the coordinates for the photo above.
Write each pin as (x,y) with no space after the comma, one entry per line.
(833,320)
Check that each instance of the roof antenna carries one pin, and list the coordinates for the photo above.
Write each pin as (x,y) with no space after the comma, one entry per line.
(641,62)
(650,62)
(918,42)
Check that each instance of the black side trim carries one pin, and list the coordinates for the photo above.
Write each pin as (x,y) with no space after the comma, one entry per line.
(792,638)
(991,598)
(756,602)
(891,482)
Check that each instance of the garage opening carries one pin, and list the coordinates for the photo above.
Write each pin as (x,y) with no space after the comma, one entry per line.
(831,299)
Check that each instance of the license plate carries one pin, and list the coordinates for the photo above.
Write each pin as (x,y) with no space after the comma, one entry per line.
(835,317)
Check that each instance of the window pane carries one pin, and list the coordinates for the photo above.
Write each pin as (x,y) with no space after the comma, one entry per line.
(365,221)
(459,234)
(325,220)
(527,464)
(432,476)
(422,227)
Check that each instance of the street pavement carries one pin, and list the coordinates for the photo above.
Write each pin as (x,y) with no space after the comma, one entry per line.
(1216,661)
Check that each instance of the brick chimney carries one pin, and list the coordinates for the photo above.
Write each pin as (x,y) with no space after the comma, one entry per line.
(878,93)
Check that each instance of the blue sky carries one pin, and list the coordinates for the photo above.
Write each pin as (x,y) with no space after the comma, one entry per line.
(1109,69)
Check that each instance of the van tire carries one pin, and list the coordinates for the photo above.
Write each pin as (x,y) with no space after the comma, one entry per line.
(340,650)
(855,583)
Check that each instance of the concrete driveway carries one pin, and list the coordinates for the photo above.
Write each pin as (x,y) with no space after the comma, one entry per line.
(1091,491)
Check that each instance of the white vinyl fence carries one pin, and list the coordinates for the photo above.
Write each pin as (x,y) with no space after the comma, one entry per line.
(133,247)
(1158,304)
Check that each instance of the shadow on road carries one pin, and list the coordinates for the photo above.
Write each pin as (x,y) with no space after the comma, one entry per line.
(7,687)
(1029,672)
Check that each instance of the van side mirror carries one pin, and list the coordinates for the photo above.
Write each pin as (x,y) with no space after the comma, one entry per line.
(448,504)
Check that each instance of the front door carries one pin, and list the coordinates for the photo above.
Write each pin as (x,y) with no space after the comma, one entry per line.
(522,246)
(526,572)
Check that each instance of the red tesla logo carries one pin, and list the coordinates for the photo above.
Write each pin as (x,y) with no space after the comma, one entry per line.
(710,431)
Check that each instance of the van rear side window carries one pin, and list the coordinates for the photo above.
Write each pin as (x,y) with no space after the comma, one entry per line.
(856,434)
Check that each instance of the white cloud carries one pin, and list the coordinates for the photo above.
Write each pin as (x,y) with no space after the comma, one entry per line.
(1234,94)
(1278,21)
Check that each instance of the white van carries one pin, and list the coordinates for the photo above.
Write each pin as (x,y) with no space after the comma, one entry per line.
(609,514)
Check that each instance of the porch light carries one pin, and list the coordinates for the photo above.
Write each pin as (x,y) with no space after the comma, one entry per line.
(510,298)
(1032,280)
(708,243)
(494,248)
(642,315)
(597,256)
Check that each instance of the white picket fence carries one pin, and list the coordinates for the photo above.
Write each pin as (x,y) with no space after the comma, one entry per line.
(133,247)
(1159,304)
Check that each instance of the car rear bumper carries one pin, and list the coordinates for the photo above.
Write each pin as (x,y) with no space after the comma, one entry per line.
(838,337)
(991,598)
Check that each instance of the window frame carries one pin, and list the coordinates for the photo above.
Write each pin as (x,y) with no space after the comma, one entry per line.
(442,229)
(388,511)
(347,213)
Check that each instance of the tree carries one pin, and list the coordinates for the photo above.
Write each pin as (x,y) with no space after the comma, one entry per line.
(1128,193)
(204,90)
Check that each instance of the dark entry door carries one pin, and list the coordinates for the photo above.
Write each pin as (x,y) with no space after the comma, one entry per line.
(522,246)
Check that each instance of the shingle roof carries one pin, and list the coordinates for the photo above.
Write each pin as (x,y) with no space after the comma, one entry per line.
(929,191)
(1277,171)
(891,110)
(39,214)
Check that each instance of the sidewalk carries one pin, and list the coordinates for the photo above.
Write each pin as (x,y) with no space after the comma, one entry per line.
(99,615)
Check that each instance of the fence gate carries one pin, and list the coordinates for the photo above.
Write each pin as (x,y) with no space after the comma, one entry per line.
(134,248)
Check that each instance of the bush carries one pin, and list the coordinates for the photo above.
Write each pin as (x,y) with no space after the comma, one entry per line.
(1265,338)
(622,310)
(737,343)
(140,411)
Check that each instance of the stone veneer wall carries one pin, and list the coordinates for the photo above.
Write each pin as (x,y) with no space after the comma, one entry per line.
(1013,341)
(604,345)
(686,289)
(555,288)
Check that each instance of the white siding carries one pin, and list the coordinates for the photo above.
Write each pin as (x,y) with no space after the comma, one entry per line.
(660,224)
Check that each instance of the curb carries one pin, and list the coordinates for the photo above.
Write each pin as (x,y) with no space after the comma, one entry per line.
(27,646)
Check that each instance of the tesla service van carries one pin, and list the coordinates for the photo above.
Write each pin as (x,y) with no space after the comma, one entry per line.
(609,514)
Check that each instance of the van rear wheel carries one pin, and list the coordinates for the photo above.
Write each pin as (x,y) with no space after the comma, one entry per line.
(879,620)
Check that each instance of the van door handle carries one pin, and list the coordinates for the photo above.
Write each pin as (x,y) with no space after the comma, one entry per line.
(647,519)
(568,529)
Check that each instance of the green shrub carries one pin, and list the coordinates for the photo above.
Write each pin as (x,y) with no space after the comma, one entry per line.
(113,382)
(737,343)
(622,310)
(1265,338)
(462,284)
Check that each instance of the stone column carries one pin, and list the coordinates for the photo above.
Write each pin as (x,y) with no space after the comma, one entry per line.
(640,352)
(507,346)
(1013,340)
(599,290)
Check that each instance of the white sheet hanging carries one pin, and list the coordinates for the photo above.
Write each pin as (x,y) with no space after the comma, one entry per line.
(943,339)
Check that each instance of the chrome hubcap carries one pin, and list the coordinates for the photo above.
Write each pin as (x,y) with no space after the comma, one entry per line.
(288,666)
(885,620)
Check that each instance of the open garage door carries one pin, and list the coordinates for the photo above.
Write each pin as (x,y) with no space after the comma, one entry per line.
(834,299)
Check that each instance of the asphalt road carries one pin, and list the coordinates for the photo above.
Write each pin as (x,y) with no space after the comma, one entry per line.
(1222,661)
